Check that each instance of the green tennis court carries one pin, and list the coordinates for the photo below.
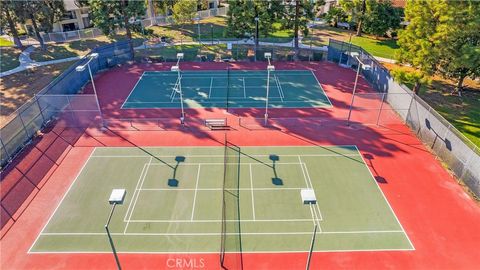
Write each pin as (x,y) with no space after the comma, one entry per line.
(227,89)
(244,199)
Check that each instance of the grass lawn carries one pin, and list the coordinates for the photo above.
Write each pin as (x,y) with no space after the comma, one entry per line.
(5,42)
(192,52)
(462,112)
(9,58)
(76,48)
(215,28)
(17,88)
(381,47)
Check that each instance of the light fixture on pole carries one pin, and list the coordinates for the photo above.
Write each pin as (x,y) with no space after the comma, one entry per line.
(82,68)
(270,68)
(178,89)
(116,197)
(360,65)
(197,19)
(256,36)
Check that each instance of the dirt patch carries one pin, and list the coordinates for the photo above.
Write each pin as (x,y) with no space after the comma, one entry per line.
(18,88)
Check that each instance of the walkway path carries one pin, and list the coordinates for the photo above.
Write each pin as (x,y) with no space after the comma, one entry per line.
(27,63)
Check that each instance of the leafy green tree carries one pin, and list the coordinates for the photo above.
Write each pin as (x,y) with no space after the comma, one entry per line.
(298,13)
(380,18)
(335,15)
(459,42)
(242,13)
(356,10)
(7,10)
(418,45)
(415,78)
(51,12)
(442,37)
(164,6)
(184,11)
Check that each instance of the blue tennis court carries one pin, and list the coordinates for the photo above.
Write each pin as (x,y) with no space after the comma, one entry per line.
(227,89)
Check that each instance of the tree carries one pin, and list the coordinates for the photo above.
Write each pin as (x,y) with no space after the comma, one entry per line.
(380,18)
(298,13)
(8,13)
(164,6)
(335,15)
(442,37)
(355,9)
(459,46)
(109,15)
(52,11)
(416,78)
(184,11)
(417,42)
(241,17)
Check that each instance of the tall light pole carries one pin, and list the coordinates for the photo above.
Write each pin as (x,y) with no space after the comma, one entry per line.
(116,197)
(211,31)
(82,68)
(360,64)
(270,68)
(198,28)
(179,87)
(256,36)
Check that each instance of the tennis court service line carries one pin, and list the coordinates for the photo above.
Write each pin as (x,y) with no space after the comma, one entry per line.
(138,194)
(251,187)
(196,188)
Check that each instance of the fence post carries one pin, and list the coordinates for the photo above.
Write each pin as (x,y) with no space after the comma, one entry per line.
(5,148)
(381,107)
(23,124)
(39,108)
(78,33)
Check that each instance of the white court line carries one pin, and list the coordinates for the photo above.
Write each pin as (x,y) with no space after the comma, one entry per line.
(313,216)
(210,156)
(311,184)
(385,198)
(172,94)
(215,220)
(131,91)
(135,192)
(303,171)
(244,90)
(196,188)
(138,195)
(216,233)
(211,85)
(316,218)
(278,87)
(61,200)
(213,189)
(323,91)
(216,252)
(251,187)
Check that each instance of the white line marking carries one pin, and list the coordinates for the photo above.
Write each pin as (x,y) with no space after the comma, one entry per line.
(215,220)
(303,171)
(216,252)
(196,188)
(61,200)
(133,89)
(323,91)
(244,88)
(251,187)
(135,192)
(311,184)
(213,189)
(138,195)
(385,198)
(210,156)
(210,90)
(217,233)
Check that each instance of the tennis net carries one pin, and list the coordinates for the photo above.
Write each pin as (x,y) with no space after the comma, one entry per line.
(231,246)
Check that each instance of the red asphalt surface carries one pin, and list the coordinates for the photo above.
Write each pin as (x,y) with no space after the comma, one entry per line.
(441,220)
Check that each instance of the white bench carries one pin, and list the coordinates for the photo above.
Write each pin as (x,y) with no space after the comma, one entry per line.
(216,124)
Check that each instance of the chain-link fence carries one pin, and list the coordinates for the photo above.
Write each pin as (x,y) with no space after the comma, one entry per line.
(60,100)
(450,145)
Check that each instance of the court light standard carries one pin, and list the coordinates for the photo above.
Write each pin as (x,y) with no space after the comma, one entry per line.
(82,68)
(211,31)
(270,68)
(360,65)
(197,19)
(176,68)
(116,197)
(256,36)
